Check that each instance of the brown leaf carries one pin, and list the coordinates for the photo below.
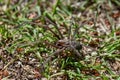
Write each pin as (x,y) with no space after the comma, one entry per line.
(117,33)
(19,50)
(32,15)
(107,22)
(95,33)
(37,74)
(91,72)
(5,73)
(1,75)
(93,44)
(90,23)
(116,15)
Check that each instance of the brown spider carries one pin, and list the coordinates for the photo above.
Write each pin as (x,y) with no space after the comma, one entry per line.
(73,46)
(64,44)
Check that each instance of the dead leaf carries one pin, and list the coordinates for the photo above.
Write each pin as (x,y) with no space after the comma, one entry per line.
(5,73)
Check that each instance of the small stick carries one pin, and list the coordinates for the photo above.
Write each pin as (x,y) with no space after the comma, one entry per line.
(9,63)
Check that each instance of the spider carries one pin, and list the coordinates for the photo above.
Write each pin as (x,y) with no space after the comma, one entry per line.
(73,46)
(63,44)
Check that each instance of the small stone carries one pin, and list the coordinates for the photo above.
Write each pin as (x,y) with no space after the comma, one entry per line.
(43,78)
(94,53)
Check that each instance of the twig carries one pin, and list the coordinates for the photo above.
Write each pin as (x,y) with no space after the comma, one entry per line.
(57,74)
(8,64)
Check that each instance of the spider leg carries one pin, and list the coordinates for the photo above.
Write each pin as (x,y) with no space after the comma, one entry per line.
(77,29)
(48,59)
(75,51)
(51,21)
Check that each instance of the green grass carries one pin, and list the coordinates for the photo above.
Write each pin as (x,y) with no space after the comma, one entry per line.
(23,37)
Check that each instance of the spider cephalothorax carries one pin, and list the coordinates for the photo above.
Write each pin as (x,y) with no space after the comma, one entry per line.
(68,43)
